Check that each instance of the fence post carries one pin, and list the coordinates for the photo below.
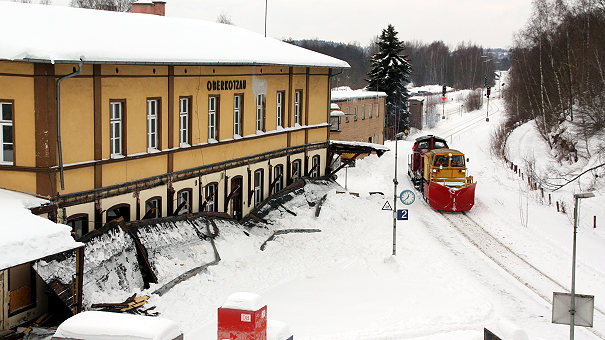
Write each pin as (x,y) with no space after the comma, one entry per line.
(549,200)
(557,206)
(595,222)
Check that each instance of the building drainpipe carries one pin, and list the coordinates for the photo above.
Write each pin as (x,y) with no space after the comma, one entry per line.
(59,120)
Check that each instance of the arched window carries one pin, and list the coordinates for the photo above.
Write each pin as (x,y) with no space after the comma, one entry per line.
(153,207)
(184,200)
(296,170)
(117,211)
(278,178)
(211,195)
(258,186)
(78,224)
(315,165)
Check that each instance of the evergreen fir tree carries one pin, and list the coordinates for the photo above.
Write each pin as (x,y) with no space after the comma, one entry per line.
(390,71)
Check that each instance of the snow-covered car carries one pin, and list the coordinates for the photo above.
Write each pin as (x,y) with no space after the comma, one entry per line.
(95,325)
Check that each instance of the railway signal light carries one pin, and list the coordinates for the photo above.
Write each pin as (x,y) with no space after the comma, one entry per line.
(443,91)
(489,89)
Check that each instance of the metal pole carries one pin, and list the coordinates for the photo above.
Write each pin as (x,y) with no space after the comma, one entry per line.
(572,310)
(395,202)
(266,18)
(346,177)
(487,113)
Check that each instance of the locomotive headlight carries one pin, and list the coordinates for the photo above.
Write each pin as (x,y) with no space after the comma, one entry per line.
(434,170)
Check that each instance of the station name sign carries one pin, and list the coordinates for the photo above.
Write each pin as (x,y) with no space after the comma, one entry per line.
(225,85)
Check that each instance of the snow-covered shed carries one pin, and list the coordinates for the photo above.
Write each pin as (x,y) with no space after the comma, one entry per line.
(25,238)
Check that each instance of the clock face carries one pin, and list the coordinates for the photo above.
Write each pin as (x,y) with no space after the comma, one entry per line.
(407,197)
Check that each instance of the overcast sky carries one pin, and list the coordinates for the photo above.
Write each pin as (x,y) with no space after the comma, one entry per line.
(490,23)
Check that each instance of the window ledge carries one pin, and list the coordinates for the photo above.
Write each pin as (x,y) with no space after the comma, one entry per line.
(152,150)
(212,141)
(6,163)
(185,145)
(117,156)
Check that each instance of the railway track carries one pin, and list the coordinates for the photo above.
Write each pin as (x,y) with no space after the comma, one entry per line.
(518,267)
(468,123)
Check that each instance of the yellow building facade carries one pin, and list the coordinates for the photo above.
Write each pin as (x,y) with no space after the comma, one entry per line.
(145,139)
(175,128)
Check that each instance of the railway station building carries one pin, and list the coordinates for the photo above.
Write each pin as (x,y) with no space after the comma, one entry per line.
(357,115)
(110,115)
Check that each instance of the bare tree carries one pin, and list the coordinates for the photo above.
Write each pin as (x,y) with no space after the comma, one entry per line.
(224,19)
(106,5)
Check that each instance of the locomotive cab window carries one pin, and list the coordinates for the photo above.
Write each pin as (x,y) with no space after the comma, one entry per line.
(440,160)
(423,145)
(440,144)
(457,161)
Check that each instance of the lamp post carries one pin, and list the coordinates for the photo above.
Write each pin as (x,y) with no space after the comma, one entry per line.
(572,310)
(487,59)
(397,136)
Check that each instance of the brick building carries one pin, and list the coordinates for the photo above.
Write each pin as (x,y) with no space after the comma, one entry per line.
(358,116)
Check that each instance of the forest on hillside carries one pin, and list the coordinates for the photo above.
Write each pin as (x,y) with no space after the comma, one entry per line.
(557,76)
(432,63)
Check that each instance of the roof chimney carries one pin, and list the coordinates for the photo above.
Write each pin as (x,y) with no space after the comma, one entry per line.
(149,7)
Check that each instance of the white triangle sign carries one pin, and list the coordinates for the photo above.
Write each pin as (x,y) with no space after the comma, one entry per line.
(387,206)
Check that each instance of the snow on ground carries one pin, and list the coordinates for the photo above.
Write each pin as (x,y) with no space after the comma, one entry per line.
(343,283)
(25,236)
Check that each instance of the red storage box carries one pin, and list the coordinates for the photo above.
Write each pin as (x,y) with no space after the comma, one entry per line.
(242,323)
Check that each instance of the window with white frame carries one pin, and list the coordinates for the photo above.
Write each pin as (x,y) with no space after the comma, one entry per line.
(258,187)
(347,116)
(297,107)
(6,134)
(363,111)
(212,113)
(184,121)
(315,166)
(370,111)
(152,124)
(280,109)
(183,200)
(211,197)
(355,112)
(278,178)
(237,115)
(115,128)
(260,112)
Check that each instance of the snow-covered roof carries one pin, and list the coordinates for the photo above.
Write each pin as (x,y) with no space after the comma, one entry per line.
(334,106)
(338,113)
(25,237)
(107,325)
(63,34)
(346,93)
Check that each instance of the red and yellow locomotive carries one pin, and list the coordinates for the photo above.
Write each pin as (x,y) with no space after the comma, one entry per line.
(440,174)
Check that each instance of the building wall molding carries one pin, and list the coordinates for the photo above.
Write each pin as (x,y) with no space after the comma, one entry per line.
(163,179)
